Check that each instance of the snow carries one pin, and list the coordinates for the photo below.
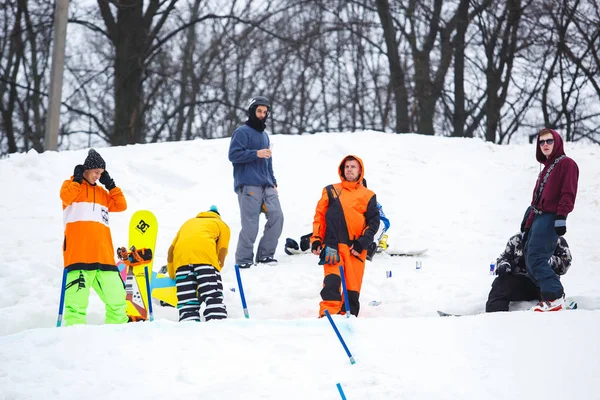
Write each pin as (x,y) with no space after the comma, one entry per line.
(460,198)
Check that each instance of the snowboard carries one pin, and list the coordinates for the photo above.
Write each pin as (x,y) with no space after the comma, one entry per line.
(389,251)
(405,253)
(143,229)
(122,270)
(445,314)
(570,304)
(164,289)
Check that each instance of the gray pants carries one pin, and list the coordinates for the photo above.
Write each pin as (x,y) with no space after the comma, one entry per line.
(251,199)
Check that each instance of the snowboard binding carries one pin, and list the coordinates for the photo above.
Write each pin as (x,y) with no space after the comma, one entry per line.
(383,244)
(134,257)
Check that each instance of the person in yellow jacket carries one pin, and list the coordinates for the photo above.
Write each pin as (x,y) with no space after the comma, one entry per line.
(195,260)
(88,250)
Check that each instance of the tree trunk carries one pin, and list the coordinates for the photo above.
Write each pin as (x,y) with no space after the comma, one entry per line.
(424,94)
(396,71)
(459,69)
(130,47)
(187,71)
(8,89)
(492,105)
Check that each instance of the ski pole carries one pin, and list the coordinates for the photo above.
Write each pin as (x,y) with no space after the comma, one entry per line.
(62,299)
(239,280)
(149,293)
(345,291)
(339,387)
(339,337)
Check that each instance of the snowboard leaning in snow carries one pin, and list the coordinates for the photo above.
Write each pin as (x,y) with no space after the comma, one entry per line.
(405,253)
(143,229)
(163,288)
(569,305)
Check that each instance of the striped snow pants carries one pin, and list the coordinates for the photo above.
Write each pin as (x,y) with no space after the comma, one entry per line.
(197,284)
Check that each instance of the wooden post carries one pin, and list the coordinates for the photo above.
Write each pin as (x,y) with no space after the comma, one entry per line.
(61,14)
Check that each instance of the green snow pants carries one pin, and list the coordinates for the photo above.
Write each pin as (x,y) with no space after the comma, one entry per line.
(110,289)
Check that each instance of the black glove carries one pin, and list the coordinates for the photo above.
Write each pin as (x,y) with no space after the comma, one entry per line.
(315,246)
(504,268)
(356,246)
(305,242)
(78,173)
(560,225)
(107,181)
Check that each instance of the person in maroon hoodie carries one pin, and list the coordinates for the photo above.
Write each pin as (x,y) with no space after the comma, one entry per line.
(546,219)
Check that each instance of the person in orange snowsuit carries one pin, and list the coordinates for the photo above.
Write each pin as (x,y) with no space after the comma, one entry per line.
(346,220)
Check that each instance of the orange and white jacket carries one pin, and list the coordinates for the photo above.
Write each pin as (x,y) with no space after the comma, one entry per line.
(88,243)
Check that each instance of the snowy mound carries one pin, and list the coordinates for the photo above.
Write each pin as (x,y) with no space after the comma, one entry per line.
(459,198)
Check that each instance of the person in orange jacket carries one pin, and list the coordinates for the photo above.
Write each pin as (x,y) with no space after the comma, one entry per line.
(88,250)
(346,220)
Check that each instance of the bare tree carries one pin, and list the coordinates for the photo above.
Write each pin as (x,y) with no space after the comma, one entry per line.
(397,73)
(26,28)
(462,22)
(574,70)
(176,70)
(132,32)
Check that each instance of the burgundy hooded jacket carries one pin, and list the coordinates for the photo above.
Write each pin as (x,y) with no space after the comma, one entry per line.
(560,189)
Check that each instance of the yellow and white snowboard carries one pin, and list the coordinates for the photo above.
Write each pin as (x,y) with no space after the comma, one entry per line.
(143,228)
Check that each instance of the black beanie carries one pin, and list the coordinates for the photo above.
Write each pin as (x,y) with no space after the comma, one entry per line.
(93,161)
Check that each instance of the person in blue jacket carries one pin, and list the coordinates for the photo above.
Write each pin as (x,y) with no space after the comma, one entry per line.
(256,186)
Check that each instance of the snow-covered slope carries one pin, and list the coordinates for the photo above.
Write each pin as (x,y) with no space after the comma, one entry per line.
(460,198)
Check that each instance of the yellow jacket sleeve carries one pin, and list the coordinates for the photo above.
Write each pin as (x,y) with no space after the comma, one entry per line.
(223,244)
(170,257)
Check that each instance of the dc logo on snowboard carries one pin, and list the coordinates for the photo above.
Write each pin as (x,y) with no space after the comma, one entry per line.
(142,226)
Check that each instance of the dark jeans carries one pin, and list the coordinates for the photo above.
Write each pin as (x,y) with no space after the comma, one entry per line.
(509,288)
(539,247)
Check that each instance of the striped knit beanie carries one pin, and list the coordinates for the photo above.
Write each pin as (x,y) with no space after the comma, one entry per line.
(94,160)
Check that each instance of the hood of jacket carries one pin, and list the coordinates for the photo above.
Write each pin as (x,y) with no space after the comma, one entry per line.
(341,171)
(557,151)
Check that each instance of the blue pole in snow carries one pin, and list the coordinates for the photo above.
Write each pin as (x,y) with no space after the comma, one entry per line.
(149,293)
(239,280)
(62,299)
(341,391)
(339,337)
(345,291)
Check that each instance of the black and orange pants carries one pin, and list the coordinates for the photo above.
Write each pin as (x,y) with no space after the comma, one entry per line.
(332,293)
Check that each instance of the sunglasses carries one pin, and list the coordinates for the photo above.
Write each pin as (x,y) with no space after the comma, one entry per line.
(547,141)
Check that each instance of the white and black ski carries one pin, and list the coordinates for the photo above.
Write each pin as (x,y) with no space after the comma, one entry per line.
(570,304)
